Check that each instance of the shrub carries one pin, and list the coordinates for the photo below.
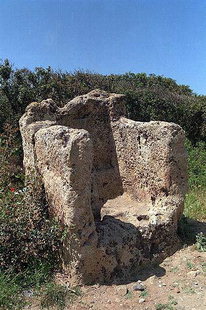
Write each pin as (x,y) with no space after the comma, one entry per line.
(196,164)
(201,242)
(26,231)
(195,203)
(149,97)
(57,295)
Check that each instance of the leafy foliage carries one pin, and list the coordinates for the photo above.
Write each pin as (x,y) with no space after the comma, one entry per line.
(148,97)
(196,164)
(25,228)
(26,231)
(201,242)
(195,202)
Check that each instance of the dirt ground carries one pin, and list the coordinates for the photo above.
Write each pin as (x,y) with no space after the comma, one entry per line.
(178,283)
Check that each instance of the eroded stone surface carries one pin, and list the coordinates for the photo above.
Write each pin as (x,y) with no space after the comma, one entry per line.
(117,185)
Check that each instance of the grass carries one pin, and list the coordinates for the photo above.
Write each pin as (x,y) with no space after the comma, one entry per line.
(167,306)
(144,293)
(172,300)
(57,295)
(188,290)
(201,242)
(195,203)
(13,285)
(128,294)
(37,281)
(190,265)
(10,292)
(174,269)
(203,265)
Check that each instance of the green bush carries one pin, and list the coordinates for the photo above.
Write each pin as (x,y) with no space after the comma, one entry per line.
(26,232)
(149,97)
(201,242)
(196,164)
(195,202)
(29,239)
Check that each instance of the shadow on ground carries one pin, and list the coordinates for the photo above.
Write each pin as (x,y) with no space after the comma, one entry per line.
(188,230)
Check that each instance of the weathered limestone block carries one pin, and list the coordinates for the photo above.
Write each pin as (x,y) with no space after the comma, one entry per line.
(94,112)
(64,160)
(117,185)
(37,115)
(152,163)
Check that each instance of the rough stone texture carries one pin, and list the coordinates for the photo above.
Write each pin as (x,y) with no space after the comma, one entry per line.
(117,185)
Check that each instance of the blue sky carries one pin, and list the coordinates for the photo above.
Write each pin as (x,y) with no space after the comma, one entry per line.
(165,37)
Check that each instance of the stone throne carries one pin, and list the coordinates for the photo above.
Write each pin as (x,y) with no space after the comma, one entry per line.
(117,185)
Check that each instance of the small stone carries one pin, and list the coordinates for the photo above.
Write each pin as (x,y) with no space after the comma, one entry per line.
(122,290)
(28,293)
(96,286)
(138,287)
(167,260)
(177,290)
(152,279)
(193,273)
(141,300)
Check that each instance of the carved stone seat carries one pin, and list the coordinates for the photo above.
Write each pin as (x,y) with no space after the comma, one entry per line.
(117,185)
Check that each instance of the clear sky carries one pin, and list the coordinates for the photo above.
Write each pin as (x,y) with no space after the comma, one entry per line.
(165,37)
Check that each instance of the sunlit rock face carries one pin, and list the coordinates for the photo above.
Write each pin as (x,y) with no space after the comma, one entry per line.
(117,185)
